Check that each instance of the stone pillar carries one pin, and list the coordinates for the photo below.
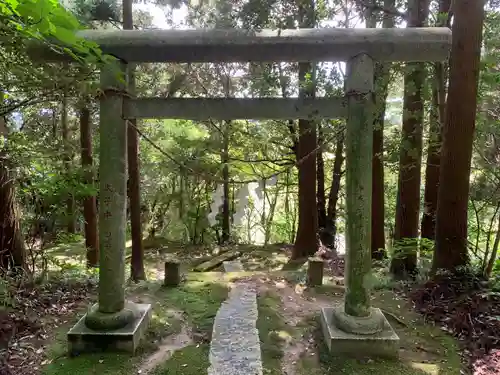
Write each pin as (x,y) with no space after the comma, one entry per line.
(359,145)
(354,328)
(110,311)
(112,324)
(356,316)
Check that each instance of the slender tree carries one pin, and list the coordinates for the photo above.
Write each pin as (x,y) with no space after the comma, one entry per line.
(408,201)
(436,121)
(458,132)
(134,178)
(89,204)
(12,247)
(306,242)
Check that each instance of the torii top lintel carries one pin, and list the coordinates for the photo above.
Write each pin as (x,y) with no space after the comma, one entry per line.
(236,45)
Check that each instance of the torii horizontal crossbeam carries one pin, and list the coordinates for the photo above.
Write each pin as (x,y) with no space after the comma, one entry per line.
(235,109)
(234,45)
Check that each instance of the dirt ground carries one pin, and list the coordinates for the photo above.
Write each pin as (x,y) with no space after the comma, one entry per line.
(287,321)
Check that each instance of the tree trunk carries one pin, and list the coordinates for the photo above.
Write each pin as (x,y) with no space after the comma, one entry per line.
(328,235)
(494,252)
(458,132)
(12,247)
(226,214)
(432,166)
(436,122)
(320,194)
(306,241)
(381,80)
(70,201)
(89,204)
(404,261)
(134,178)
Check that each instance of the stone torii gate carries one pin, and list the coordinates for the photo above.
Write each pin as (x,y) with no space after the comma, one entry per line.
(353,327)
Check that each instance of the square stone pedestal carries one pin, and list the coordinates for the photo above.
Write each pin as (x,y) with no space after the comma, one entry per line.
(384,344)
(83,340)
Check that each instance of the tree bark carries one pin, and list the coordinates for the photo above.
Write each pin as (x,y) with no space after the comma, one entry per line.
(381,81)
(226,214)
(458,132)
(89,204)
(436,121)
(12,247)
(134,178)
(330,231)
(404,262)
(306,241)
(320,194)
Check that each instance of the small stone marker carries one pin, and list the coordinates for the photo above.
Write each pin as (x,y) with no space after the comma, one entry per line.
(315,271)
(172,273)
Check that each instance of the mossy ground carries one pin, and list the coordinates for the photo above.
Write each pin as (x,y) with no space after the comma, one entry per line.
(192,360)
(194,303)
(424,348)
(273,332)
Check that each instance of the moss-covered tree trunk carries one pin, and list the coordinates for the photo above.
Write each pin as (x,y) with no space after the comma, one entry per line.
(451,249)
(89,204)
(406,232)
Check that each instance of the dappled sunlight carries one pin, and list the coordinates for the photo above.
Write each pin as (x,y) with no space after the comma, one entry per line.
(428,368)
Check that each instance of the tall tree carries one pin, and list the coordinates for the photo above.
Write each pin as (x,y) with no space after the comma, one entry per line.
(436,121)
(306,242)
(458,132)
(330,232)
(408,200)
(381,79)
(134,178)
(89,204)
(226,214)
(12,247)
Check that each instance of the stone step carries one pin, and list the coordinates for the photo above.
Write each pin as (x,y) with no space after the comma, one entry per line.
(235,346)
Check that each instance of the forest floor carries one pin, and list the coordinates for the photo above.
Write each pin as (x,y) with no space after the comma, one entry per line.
(178,338)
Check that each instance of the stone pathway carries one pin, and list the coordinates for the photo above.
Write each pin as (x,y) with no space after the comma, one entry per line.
(235,346)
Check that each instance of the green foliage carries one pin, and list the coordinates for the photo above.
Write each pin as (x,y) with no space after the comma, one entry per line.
(46,21)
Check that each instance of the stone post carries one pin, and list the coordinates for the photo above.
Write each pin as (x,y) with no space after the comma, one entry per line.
(110,311)
(111,324)
(315,268)
(354,328)
(356,316)
(359,145)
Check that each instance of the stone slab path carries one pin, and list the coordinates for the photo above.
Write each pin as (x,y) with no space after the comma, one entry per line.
(235,346)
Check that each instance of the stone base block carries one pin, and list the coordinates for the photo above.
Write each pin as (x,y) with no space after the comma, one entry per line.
(384,344)
(82,339)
